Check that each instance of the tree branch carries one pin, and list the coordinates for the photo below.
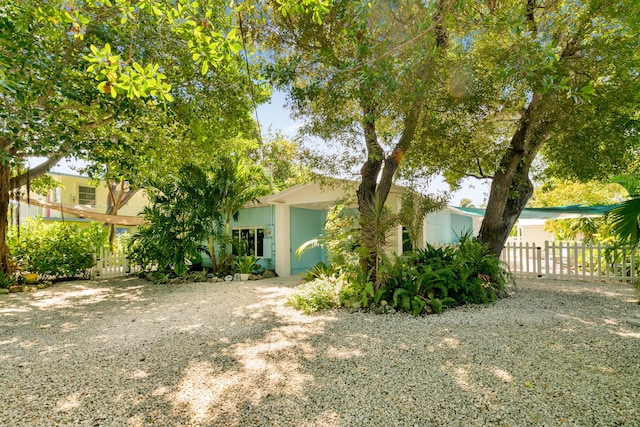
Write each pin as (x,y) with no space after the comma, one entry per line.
(96,124)
(22,179)
(412,40)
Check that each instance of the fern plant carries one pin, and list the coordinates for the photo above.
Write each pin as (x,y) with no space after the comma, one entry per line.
(432,279)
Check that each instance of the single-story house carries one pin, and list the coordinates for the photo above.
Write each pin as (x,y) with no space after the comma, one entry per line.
(275,226)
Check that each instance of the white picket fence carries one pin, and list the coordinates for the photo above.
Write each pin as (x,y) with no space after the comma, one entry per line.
(111,264)
(571,260)
(553,260)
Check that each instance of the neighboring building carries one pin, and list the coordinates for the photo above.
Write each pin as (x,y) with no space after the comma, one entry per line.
(79,192)
(530,226)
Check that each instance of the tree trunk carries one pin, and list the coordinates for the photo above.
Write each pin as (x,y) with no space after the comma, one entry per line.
(371,189)
(499,218)
(5,174)
(511,187)
(115,203)
(368,185)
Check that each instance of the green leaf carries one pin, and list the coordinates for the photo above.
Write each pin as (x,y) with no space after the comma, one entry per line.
(138,68)
(205,67)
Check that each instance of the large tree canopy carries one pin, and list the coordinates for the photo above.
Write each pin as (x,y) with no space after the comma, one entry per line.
(360,79)
(530,77)
(91,80)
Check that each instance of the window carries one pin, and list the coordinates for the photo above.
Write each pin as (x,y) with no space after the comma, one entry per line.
(87,196)
(407,245)
(251,241)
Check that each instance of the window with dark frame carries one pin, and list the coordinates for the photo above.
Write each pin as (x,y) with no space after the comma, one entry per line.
(407,245)
(87,195)
(251,241)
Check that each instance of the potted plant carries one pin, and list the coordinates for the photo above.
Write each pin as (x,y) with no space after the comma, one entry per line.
(245,265)
(26,270)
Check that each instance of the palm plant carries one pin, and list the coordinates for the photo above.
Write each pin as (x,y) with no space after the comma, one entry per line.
(238,183)
(196,205)
(625,218)
(380,222)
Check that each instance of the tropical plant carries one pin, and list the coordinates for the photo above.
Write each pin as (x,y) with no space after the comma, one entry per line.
(341,236)
(377,224)
(432,278)
(414,207)
(625,219)
(6,280)
(318,270)
(175,225)
(319,294)
(192,207)
(246,264)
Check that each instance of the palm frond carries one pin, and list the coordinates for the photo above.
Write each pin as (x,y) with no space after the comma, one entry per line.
(624,220)
(308,245)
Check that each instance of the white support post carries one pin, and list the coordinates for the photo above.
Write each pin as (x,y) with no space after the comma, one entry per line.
(283,240)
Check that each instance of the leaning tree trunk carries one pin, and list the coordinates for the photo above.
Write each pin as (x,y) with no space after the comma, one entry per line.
(500,217)
(5,175)
(511,187)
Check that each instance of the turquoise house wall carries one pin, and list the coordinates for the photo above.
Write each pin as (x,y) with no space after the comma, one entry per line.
(446,227)
(461,225)
(438,226)
(306,224)
(262,218)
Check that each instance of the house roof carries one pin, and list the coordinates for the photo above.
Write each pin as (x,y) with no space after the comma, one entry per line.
(317,195)
(555,212)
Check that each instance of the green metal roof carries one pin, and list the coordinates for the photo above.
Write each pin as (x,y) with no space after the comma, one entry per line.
(556,212)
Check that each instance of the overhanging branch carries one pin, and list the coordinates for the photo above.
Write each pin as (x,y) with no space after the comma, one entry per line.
(21,180)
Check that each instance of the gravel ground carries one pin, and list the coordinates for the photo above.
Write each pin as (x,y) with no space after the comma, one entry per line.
(129,353)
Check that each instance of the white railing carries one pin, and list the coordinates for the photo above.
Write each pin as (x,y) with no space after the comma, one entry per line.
(111,264)
(571,260)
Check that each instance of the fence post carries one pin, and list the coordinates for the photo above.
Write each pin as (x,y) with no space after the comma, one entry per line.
(600,259)
(101,262)
(575,258)
(546,257)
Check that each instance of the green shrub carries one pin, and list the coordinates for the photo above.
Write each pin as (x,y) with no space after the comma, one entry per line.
(432,279)
(316,295)
(479,272)
(58,250)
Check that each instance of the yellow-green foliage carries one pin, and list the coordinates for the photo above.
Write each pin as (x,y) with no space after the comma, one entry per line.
(57,249)
(316,295)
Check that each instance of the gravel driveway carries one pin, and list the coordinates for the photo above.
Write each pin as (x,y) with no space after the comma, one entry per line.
(130,353)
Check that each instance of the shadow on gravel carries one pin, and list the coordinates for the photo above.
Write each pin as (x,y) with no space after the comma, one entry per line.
(134,354)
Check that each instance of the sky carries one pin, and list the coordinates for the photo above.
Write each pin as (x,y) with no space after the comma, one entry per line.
(275,118)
